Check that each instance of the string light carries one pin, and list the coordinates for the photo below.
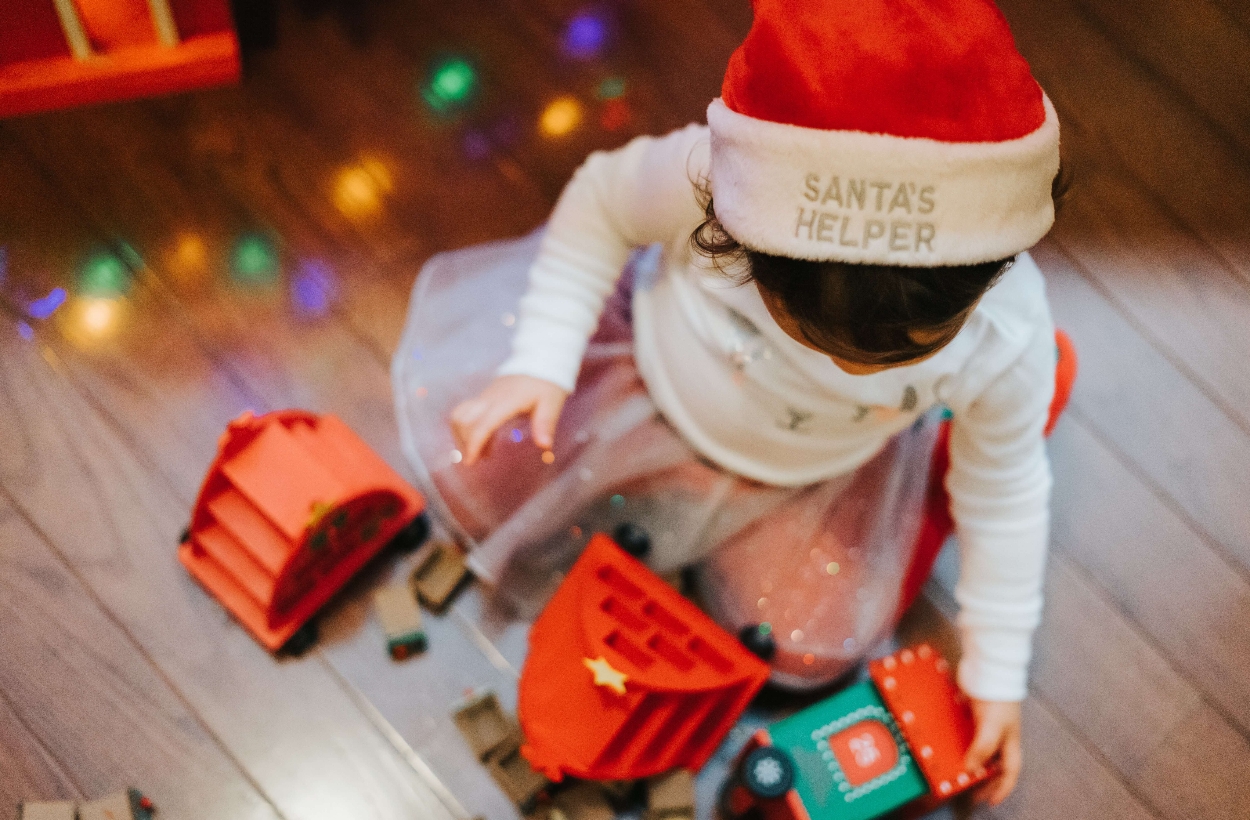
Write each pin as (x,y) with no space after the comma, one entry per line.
(104,275)
(611,88)
(585,35)
(452,85)
(254,261)
(189,259)
(97,316)
(560,117)
(314,288)
(359,188)
(616,115)
(45,307)
(476,146)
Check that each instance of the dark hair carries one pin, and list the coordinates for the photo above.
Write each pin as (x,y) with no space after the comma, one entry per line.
(861,313)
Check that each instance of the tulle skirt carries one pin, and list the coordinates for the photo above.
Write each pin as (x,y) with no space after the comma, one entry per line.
(823,566)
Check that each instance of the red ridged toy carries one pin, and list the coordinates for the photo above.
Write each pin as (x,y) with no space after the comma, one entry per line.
(293,506)
(626,678)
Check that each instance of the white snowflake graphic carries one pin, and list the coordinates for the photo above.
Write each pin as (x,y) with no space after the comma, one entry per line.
(768,772)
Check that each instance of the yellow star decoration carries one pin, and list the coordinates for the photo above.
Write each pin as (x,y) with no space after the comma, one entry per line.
(319,510)
(605,675)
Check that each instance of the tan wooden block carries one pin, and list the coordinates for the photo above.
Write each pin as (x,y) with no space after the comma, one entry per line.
(52,810)
(484,725)
(670,796)
(438,576)
(401,620)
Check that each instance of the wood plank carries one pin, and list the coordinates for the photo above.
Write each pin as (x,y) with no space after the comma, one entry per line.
(28,771)
(1202,770)
(1065,780)
(1167,282)
(1150,412)
(291,725)
(1114,111)
(1196,47)
(97,705)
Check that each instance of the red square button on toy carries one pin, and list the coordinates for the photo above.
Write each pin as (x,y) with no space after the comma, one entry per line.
(864,751)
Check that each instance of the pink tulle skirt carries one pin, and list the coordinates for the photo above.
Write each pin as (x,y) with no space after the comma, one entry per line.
(822,566)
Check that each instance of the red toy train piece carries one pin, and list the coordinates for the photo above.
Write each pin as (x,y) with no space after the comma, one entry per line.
(626,678)
(292,507)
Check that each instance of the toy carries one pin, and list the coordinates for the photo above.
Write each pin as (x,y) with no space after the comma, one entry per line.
(59,53)
(401,618)
(866,751)
(625,678)
(583,801)
(293,506)
(438,577)
(670,796)
(130,804)
(125,805)
(496,740)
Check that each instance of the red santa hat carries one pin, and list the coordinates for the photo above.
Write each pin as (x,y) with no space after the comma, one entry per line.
(902,132)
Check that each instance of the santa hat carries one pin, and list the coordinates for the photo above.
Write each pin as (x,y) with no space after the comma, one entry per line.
(902,132)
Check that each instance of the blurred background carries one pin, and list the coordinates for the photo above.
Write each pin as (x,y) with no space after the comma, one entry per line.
(206,209)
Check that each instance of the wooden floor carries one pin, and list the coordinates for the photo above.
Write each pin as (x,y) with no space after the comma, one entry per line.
(116,669)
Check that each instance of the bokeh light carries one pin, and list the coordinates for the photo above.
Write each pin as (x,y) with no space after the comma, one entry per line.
(451,85)
(476,145)
(616,115)
(611,88)
(188,260)
(25,331)
(314,289)
(359,188)
(45,307)
(560,117)
(254,262)
(585,35)
(104,275)
(96,316)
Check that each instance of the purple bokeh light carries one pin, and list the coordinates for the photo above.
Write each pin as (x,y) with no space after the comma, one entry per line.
(45,307)
(585,35)
(314,288)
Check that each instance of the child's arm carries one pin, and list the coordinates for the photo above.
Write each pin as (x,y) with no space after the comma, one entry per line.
(999,483)
(617,200)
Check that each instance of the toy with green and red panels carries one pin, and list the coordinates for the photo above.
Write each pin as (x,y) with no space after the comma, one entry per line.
(897,739)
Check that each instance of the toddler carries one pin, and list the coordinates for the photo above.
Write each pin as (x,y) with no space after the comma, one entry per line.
(834,260)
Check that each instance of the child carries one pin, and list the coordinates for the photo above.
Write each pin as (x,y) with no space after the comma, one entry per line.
(840,257)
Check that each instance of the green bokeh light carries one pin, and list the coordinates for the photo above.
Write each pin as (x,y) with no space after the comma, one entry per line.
(254,261)
(104,275)
(451,84)
(611,88)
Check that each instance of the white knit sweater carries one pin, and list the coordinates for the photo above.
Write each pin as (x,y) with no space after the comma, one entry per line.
(757,402)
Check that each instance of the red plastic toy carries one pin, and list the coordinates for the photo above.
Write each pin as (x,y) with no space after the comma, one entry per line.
(60,53)
(899,740)
(293,505)
(626,678)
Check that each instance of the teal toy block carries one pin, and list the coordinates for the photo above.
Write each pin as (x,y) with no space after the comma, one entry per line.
(849,756)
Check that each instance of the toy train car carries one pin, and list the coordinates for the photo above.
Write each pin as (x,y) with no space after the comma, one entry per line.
(292,507)
(895,740)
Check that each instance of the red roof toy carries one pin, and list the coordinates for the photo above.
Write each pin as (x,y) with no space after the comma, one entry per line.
(626,678)
(293,505)
(874,747)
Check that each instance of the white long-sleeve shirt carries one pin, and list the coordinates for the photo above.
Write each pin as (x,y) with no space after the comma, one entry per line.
(762,405)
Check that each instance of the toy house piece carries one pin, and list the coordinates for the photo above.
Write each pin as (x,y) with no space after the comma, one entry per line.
(401,619)
(123,805)
(625,678)
(293,506)
(866,751)
(59,53)
(439,575)
(496,740)
(48,810)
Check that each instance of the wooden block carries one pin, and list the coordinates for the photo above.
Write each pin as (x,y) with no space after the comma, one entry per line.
(515,776)
(56,810)
(484,725)
(122,805)
(441,573)
(670,796)
(401,618)
(583,801)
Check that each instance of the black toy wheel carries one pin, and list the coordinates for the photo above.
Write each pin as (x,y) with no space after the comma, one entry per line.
(768,772)
(758,639)
(633,539)
(305,638)
(185,535)
(413,534)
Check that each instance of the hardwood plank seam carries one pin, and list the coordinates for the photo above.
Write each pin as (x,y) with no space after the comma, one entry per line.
(1071,563)
(1236,147)
(1158,491)
(395,740)
(61,768)
(1093,751)
(177,693)
(1160,346)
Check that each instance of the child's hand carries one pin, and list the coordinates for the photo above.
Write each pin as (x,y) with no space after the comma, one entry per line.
(998,734)
(475,421)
